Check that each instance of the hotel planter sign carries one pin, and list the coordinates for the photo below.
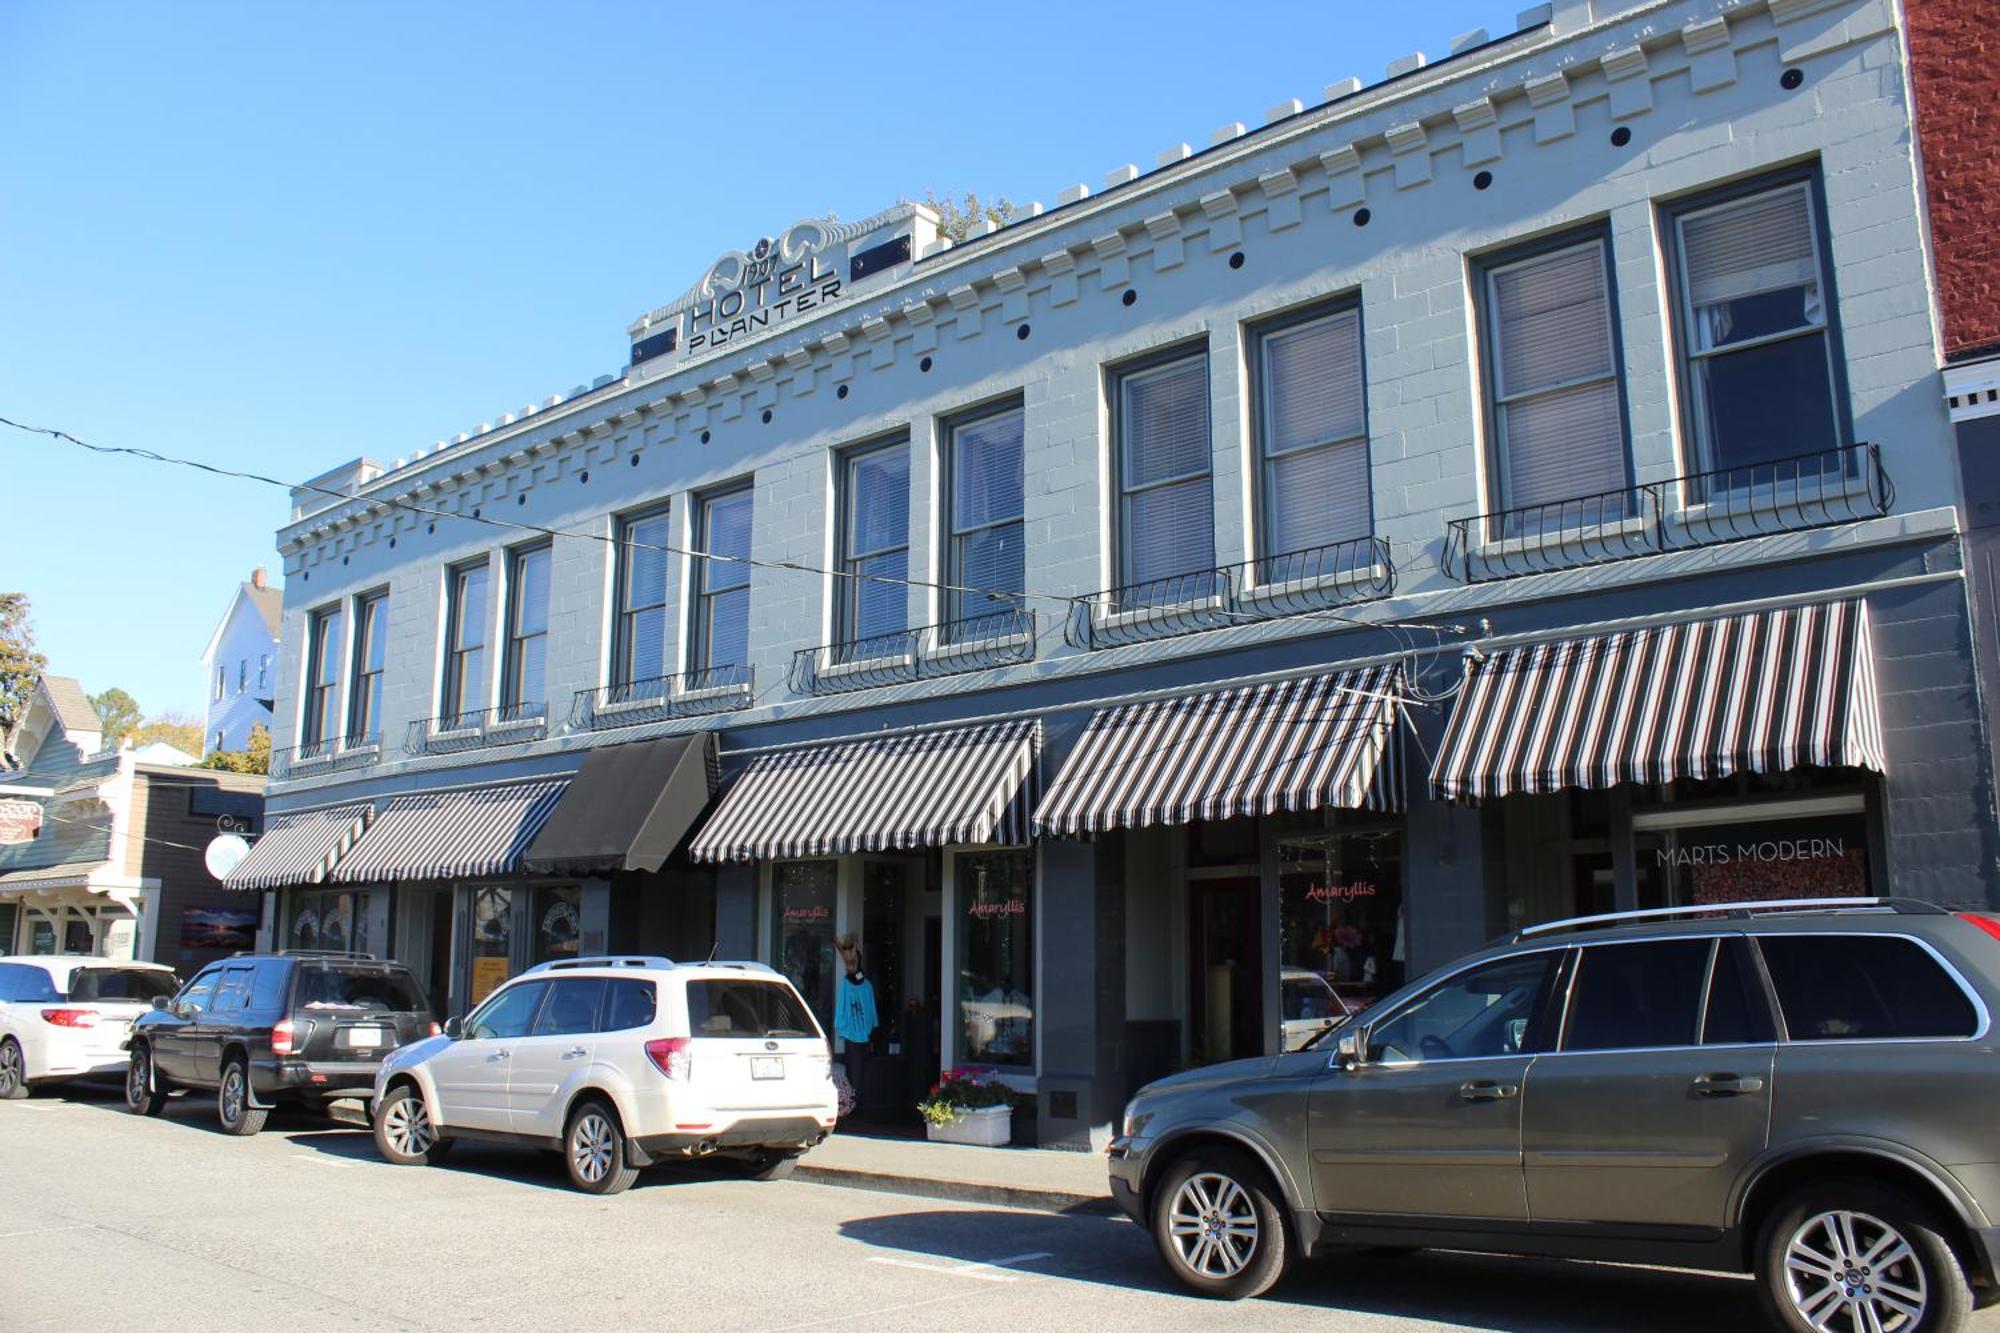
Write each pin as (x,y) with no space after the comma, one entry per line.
(20,821)
(755,291)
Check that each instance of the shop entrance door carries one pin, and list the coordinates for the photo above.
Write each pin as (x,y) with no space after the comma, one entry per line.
(1226,981)
(878,1064)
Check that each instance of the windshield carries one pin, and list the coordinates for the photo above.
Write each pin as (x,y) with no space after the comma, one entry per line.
(747,1009)
(345,986)
(139,984)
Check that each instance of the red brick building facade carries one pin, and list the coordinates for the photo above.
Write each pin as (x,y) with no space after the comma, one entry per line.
(1955,67)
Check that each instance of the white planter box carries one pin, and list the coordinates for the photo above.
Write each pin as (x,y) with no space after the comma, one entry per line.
(985,1126)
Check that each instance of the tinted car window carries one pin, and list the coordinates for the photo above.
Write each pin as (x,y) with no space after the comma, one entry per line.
(508,1014)
(200,992)
(347,986)
(35,985)
(232,992)
(120,983)
(1636,996)
(627,1004)
(746,1009)
(268,990)
(1853,987)
(572,1007)
(10,981)
(1485,1011)
(1737,1009)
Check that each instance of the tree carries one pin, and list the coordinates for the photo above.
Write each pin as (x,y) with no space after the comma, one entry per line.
(20,665)
(254,759)
(176,729)
(120,713)
(957,218)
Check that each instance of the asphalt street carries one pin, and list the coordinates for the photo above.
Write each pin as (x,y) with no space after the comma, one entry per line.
(110,1222)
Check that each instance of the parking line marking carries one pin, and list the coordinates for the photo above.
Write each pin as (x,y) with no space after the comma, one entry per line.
(47,1231)
(318,1160)
(987,1270)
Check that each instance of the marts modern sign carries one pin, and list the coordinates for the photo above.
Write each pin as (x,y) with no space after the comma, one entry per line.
(1752,850)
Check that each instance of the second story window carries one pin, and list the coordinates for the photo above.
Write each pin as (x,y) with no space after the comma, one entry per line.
(1166,506)
(1755,303)
(263,673)
(242,674)
(720,620)
(321,722)
(364,708)
(221,681)
(1556,409)
(1312,436)
(983,473)
(872,598)
(464,640)
(639,640)
(525,680)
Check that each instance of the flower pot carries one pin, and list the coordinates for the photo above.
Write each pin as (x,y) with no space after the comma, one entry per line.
(985,1126)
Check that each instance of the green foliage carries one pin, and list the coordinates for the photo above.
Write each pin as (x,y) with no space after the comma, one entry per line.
(120,714)
(957,218)
(254,759)
(176,729)
(962,1090)
(20,665)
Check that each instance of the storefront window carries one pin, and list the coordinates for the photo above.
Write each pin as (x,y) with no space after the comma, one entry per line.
(996,949)
(492,938)
(1341,910)
(1752,854)
(41,936)
(802,900)
(337,921)
(558,922)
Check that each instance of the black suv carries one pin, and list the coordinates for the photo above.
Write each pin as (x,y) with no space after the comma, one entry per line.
(270,1029)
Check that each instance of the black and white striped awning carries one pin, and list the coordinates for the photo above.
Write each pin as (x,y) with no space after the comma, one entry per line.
(462,834)
(1299,744)
(923,789)
(1761,692)
(300,848)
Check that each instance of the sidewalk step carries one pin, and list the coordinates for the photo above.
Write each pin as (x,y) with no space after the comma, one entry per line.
(957,1191)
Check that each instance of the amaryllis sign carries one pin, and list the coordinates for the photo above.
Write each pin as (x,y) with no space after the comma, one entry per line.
(20,821)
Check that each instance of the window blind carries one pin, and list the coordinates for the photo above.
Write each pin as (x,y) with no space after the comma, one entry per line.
(986,471)
(1554,320)
(1319,497)
(1164,422)
(1312,381)
(1760,244)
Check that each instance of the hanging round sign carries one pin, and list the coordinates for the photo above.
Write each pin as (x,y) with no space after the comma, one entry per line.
(225,852)
(20,821)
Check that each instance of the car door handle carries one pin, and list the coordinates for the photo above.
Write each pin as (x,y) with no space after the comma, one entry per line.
(1726,1085)
(1487,1091)
(497,1057)
(574,1052)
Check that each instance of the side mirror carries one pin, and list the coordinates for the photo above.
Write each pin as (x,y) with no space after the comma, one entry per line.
(454,1028)
(161,1002)
(1347,1051)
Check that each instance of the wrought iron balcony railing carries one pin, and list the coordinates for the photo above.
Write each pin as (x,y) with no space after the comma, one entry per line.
(326,756)
(662,698)
(1000,638)
(509,724)
(1792,494)
(1271,587)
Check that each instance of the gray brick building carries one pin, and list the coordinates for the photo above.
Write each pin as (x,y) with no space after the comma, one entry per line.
(1578,389)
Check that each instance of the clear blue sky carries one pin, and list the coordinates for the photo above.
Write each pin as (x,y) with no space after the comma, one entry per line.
(285,235)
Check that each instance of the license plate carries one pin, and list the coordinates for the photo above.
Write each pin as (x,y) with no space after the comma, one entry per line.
(767,1066)
(364,1036)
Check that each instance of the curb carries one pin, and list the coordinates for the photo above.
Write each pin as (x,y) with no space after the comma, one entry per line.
(959,1191)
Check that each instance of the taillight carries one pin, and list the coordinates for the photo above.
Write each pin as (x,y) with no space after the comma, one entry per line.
(70,1018)
(436,1027)
(672,1056)
(1989,924)
(284,1037)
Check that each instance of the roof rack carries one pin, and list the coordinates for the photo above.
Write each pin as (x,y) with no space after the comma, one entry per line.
(603,960)
(1733,912)
(305,953)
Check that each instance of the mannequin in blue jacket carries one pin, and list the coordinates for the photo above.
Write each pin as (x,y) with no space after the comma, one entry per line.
(854,1017)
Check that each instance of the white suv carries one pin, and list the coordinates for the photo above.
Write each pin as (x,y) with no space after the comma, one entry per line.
(617,1063)
(66,1015)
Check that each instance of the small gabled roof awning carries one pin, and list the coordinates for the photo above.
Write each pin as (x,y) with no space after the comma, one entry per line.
(628,808)
(922,789)
(300,848)
(464,833)
(1327,740)
(1761,692)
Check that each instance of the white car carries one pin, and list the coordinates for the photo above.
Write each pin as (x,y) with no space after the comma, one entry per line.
(1312,1006)
(65,1016)
(617,1063)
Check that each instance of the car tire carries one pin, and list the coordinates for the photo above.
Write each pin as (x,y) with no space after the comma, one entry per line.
(594,1150)
(13,1071)
(232,1101)
(1219,1225)
(771,1165)
(404,1134)
(144,1093)
(1856,1243)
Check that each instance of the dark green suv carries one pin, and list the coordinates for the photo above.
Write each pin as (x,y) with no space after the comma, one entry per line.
(1803,1090)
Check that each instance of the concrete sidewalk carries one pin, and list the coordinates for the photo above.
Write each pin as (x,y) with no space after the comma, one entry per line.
(1038,1178)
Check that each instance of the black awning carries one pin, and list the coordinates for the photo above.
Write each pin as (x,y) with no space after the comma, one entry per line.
(628,807)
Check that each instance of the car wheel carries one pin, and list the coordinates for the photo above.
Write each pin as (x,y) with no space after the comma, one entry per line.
(13,1071)
(232,1101)
(1851,1255)
(404,1134)
(144,1094)
(594,1151)
(1219,1225)
(770,1165)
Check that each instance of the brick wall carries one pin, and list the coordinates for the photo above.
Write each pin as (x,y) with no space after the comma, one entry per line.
(1953,47)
